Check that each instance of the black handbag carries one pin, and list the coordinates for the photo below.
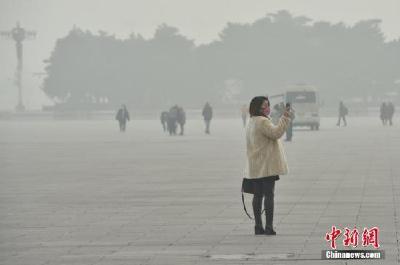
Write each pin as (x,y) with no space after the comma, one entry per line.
(247,187)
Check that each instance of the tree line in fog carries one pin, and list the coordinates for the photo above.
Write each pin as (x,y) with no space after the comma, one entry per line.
(247,59)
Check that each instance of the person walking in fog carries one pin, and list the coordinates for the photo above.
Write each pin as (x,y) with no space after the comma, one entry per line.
(172,120)
(383,113)
(266,159)
(122,117)
(181,119)
(244,111)
(207,115)
(343,111)
(164,119)
(390,112)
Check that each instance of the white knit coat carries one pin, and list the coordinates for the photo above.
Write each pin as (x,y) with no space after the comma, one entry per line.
(265,154)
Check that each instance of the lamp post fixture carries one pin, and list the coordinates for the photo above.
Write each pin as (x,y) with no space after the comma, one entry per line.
(19,34)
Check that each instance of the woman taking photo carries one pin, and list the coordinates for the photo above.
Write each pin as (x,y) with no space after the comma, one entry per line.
(266,159)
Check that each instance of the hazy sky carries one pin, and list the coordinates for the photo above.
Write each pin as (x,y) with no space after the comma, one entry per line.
(200,20)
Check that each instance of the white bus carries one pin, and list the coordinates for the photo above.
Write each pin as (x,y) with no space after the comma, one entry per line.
(305,102)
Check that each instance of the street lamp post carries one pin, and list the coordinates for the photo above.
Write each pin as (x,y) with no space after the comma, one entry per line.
(19,34)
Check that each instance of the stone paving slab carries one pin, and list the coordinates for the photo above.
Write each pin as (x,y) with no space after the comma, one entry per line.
(80,192)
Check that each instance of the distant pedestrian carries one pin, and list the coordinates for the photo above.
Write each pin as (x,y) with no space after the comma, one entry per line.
(390,112)
(181,119)
(207,115)
(289,130)
(276,113)
(172,120)
(164,119)
(244,111)
(383,113)
(122,117)
(343,111)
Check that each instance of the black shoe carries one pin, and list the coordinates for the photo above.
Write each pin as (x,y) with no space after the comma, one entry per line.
(270,232)
(259,230)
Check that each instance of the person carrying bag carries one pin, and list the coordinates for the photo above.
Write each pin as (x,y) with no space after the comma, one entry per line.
(266,161)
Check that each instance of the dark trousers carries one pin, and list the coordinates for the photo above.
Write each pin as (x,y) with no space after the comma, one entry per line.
(171,127)
(207,125)
(264,188)
(182,128)
(383,119)
(344,120)
(122,126)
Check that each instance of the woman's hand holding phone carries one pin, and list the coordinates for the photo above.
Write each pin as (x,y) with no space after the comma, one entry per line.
(287,112)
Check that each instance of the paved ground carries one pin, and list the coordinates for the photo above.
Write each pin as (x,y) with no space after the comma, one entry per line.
(75,192)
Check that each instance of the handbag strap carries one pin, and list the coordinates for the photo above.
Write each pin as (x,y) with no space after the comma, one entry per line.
(244,206)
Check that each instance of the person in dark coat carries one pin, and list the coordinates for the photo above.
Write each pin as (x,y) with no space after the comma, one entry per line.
(172,120)
(390,112)
(122,117)
(207,115)
(181,119)
(384,113)
(164,119)
(343,111)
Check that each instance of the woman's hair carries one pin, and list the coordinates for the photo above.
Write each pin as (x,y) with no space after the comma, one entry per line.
(255,106)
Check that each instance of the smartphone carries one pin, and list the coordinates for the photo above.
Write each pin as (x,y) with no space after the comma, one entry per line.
(287,106)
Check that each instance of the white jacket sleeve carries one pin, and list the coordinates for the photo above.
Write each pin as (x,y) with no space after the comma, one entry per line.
(272,131)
